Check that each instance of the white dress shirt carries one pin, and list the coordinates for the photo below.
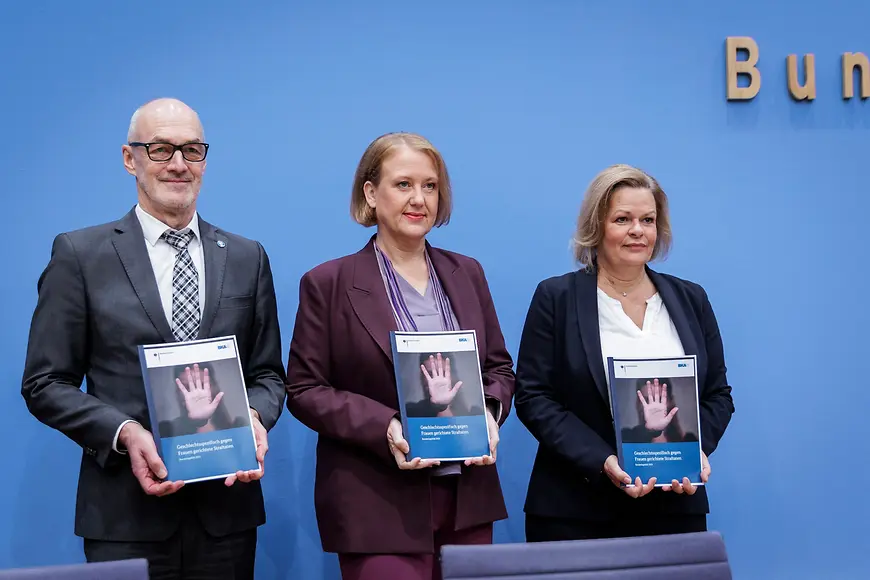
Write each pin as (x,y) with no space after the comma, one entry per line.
(621,337)
(162,256)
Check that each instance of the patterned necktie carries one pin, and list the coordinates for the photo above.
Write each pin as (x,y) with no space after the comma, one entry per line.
(185,288)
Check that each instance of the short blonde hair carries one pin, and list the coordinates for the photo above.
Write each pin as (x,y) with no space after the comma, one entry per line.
(596,203)
(369,169)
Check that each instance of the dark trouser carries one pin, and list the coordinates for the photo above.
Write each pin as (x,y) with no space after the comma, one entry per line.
(546,529)
(190,554)
(418,566)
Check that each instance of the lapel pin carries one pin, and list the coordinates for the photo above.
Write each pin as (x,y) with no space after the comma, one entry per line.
(221,244)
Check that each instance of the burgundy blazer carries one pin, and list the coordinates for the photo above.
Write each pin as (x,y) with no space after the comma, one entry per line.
(341,384)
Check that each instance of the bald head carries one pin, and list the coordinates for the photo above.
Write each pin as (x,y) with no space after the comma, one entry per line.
(166,152)
(161,112)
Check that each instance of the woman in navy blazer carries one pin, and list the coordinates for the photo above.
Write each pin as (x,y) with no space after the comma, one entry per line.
(615,305)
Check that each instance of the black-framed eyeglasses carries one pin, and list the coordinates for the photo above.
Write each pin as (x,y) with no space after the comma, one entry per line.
(193,152)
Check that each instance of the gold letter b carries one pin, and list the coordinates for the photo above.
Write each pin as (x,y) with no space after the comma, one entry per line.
(736,67)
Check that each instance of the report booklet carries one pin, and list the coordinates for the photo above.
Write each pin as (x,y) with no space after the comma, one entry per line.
(655,412)
(199,410)
(440,392)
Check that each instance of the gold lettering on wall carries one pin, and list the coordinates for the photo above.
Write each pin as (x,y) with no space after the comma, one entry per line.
(807,91)
(735,67)
(850,61)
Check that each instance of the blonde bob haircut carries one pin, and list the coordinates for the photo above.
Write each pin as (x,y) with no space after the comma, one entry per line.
(596,203)
(369,169)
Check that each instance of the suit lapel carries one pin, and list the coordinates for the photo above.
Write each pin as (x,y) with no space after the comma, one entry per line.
(214,252)
(369,301)
(130,243)
(586,306)
(677,312)
(457,287)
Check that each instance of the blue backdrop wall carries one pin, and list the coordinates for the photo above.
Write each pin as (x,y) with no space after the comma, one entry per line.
(527,101)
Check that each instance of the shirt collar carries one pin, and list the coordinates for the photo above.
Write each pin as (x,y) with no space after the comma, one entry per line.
(153,228)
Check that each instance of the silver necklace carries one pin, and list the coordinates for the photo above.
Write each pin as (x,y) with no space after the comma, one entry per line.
(625,293)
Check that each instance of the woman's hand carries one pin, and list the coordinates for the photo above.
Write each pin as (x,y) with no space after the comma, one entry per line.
(493,443)
(655,409)
(619,477)
(686,486)
(399,448)
(441,389)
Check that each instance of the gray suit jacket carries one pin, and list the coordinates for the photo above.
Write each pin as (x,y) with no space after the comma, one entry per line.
(98,300)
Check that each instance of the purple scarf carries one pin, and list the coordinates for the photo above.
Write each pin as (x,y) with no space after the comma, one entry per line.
(400,309)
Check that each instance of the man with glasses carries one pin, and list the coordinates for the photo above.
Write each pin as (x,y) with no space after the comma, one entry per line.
(159,274)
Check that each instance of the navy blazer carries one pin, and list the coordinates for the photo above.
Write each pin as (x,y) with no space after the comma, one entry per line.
(561,397)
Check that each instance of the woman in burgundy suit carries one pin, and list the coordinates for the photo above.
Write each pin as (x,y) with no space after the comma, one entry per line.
(384,513)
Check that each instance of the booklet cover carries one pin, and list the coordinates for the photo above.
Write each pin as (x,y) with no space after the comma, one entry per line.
(655,412)
(441,398)
(199,410)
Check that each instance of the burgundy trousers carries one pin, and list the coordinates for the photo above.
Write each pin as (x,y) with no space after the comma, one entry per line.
(418,566)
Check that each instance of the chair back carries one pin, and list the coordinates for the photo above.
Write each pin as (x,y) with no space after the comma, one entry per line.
(134,569)
(668,557)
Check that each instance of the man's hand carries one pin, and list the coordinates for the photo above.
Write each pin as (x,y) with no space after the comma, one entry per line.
(440,385)
(146,464)
(262,440)
(655,406)
(197,393)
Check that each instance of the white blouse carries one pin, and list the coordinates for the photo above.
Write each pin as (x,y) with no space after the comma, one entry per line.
(620,336)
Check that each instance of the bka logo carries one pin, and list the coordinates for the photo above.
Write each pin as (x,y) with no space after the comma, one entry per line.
(463,340)
(681,365)
(221,346)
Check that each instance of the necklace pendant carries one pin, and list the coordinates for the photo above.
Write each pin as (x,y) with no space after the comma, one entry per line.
(624,294)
